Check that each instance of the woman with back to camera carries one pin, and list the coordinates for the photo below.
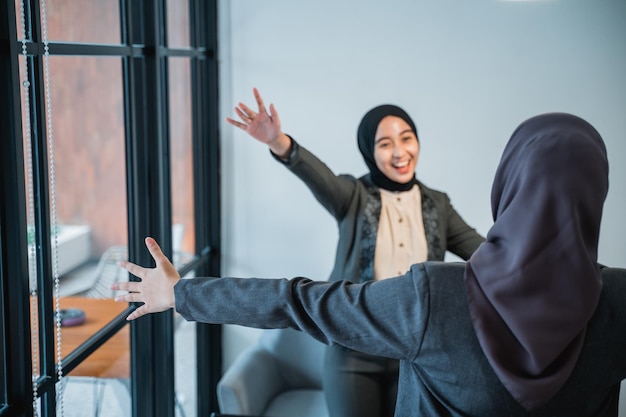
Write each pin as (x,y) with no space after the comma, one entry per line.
(387,220)
(530,326)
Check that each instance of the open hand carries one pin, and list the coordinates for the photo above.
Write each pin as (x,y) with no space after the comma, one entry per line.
(156,288)
(261,125)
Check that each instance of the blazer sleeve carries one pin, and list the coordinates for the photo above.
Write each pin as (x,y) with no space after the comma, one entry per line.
(384,318)
(462,239)
(459,237)
(332,191)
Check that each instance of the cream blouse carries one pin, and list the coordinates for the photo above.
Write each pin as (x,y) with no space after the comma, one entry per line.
(401,240)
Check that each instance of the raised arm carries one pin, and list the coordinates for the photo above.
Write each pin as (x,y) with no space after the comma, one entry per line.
(332,191)
(263,126)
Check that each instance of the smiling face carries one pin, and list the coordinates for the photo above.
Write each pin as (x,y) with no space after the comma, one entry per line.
(396,149)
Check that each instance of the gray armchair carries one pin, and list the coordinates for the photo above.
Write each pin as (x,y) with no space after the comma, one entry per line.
(279,376)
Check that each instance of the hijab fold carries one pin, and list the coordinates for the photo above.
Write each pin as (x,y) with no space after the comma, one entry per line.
(366,136)
(534,284)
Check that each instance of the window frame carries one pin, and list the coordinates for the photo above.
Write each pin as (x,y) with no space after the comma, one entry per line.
(144,55)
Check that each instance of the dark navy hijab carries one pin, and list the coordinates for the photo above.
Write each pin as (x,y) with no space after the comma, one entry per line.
(534,284)
(366,136)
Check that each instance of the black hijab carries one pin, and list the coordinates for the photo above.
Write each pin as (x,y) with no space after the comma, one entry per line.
(534,284)
(366,137)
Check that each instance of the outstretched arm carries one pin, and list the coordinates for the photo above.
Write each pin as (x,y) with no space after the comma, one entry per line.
(156,288)
(262,126)
(384,318)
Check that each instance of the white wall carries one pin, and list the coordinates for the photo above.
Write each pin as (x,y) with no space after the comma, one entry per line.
(467,71)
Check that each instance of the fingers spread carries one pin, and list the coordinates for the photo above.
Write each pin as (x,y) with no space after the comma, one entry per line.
(135,314)
(133,297)
(259,101)
(131,286)
(274,114)
(249,113)
(155,250)
(134,269)
(235,123)
(241,114)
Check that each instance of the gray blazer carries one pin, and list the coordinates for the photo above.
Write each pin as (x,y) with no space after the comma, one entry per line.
(422,319)
(355,204)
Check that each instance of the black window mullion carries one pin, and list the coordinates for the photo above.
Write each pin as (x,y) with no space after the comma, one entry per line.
(149,199)
(207,201)
(16,359)
(80,49)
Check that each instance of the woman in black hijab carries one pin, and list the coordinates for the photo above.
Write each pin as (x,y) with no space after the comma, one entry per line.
(387,219)
(535,283)
(531,325)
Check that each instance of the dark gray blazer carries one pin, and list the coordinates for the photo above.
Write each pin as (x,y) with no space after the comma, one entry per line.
(422,319)
(355,204)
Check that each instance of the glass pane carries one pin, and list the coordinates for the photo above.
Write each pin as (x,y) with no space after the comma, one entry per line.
(93,397)
(88,190)
(178,23)
(87,21)
(112,359)
(90,171)
(183,237)
(88,205)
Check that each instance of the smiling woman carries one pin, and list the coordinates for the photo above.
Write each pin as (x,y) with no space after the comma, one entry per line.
(388,220)
(467,72)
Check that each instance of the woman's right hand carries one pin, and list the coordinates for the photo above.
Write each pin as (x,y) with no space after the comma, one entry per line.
(262,126)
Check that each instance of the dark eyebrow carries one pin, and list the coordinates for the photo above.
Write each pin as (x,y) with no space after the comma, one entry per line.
(404,132)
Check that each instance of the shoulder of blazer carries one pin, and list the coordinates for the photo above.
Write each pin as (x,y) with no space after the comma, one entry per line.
(366,181)
(437,196)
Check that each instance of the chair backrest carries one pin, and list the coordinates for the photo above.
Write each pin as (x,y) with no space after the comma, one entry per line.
(107,272)
(301,357)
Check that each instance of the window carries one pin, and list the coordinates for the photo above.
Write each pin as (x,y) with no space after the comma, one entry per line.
(106,110)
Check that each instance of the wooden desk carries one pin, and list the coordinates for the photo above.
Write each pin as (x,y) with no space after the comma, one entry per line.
(111,360)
